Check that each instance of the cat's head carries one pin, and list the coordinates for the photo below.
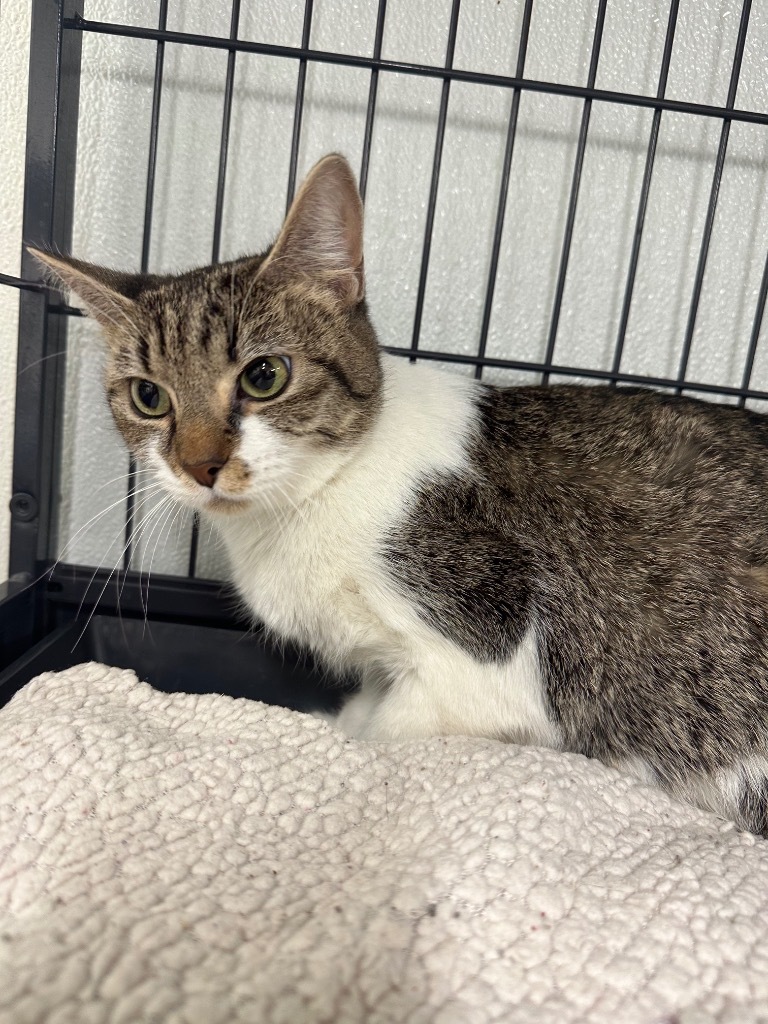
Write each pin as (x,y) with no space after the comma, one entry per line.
(250,382)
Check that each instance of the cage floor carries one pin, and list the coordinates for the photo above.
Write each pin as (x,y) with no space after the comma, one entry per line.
(179,658)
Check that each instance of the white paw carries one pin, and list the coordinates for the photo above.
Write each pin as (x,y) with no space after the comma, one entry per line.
(329,717)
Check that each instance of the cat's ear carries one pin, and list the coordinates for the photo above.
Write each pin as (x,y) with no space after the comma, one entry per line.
(322,237)
(104,294)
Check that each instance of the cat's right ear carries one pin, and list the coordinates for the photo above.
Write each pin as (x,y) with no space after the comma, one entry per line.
(104,294)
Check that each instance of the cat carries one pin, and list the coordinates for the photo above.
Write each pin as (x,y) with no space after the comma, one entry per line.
(583,568)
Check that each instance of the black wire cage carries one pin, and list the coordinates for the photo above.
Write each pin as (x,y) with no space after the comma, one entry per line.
(174,631)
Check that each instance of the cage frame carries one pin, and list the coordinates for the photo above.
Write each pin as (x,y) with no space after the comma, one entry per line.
(40,593)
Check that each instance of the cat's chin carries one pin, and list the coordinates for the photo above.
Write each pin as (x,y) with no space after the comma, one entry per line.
(215,505)
(212,504)
(220,505)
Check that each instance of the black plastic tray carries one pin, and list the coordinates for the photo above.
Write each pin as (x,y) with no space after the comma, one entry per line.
(180,658)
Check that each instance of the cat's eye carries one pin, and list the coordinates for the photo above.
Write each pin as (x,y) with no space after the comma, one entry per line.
(149,398)
(265,377)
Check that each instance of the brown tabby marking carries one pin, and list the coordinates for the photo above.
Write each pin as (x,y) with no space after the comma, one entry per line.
(195,333)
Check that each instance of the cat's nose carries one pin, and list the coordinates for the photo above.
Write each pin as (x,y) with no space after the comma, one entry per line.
(205,472)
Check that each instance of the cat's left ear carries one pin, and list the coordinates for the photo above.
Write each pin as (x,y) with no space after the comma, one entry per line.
(322,237)
(105,294)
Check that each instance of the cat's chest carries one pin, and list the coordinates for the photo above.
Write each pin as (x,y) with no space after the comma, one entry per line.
(321,582)
(321,575)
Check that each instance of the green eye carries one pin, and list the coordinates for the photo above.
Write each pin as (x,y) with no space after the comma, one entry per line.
(149,398)
(265,377)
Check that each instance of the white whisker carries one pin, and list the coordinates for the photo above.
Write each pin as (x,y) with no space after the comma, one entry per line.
(51,569)
(103,589)
(128,542)
(138,535)
(148,529)
(162,522)
(37,362)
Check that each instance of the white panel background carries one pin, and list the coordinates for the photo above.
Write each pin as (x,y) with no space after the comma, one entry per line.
(116,97)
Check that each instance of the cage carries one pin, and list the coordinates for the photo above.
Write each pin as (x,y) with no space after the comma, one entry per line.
(554,192)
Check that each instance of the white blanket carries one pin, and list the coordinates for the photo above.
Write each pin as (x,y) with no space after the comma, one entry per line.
(202,860)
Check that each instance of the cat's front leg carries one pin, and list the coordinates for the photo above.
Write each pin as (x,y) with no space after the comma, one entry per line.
(329,717)
(448,693)
(356,718)
(396,711)
(367,714)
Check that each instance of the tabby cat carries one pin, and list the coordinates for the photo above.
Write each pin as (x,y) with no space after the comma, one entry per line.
(584,568)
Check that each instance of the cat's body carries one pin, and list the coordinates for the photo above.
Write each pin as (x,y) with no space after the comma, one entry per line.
(582,568)
(329,574)
(620,611)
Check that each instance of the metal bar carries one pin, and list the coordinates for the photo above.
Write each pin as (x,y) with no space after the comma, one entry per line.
(501,204)
(713,195)
(62,309)
(423,70)
(436,161)
(20,621)
(22,284)
(299,108)
(645,188)
(749,362)
(194,546)
(575,371)
(149,199)
(174,597)
(372,90)
(226,119)
(573,200)
(54,83)
(157,92)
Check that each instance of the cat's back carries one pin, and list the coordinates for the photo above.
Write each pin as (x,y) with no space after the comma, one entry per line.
(648,460)
(639,427)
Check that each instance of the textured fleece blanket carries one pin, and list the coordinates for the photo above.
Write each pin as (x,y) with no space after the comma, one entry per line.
(199,859)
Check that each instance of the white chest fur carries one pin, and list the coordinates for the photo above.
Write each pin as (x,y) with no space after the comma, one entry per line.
(317,576)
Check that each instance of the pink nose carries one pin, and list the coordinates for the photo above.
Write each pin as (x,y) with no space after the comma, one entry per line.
(205,472)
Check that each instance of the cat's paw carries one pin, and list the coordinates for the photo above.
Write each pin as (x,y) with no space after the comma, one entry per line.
(329,717)
(355,719)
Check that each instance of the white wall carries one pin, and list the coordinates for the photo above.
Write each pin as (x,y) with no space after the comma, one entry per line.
(115,111)
(14,55)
